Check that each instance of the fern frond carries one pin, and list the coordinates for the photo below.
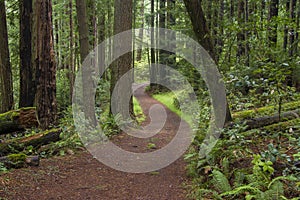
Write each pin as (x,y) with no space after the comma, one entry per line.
(239,178)
(203,192)
(220,181)
(279,178)
(276,191)
(240,190)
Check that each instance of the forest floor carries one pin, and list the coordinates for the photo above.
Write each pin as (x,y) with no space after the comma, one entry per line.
(80,176)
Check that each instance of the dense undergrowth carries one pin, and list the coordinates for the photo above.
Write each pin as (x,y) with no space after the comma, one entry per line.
(262,163)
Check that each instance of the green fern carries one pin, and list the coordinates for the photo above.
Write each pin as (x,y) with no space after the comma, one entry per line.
(279,178)
(240,190)
(220,181)
(202,193)
(275,192)
(239,178)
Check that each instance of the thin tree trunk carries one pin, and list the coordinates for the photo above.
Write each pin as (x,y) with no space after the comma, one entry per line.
(162,41)
(46,66)
(87,81)
(171,56)
(286,29)
(202,34)
(27,83)
(83,29)
(272,34)
(241,34)
(141,32)
(153,58)
(71,71)
(6,89)
(292,32)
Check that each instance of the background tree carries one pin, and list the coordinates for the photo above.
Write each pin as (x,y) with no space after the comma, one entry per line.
(202,34)
(6,89)
(27,83)
(122,22)
(46,67)
(89,101)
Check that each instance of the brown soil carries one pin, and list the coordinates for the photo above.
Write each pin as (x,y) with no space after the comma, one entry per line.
(81,176)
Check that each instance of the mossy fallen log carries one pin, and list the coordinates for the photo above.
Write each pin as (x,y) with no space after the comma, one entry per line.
(36,141)
(268,120)
(18,120)
(281,126)
(264,111)
(19,160)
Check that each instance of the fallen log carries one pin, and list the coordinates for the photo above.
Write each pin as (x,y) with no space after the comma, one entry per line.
(36,141)
(18,120)
(19,160)
(268,120)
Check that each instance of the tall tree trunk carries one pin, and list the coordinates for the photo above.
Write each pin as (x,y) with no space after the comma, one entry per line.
(87,81)
(46,66)
(262,12)
(102,29)
(286,29)
(171,57)
(141,32)
(232,9)
(6,89)
(27,71)
(92,13)
(241,40)
(273,14)
(153,58)
(71,70)
(202,34)
(292,31)
(83,28)
(122,22)
(162,53)
(247,34)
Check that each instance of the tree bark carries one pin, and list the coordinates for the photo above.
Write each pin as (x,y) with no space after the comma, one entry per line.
(6,81)
(286,29)
(273,13)
(27,72)
(153,58)
(241,40)
(88,86)
(292,31)
(171,21)
(162,40)
(71,70)
(141,32)
(46,66)
(123,22)
(202,34)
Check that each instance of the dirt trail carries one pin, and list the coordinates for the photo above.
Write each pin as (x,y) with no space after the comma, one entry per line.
(81,176)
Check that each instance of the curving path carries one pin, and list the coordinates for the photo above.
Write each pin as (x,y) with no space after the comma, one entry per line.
(81,177)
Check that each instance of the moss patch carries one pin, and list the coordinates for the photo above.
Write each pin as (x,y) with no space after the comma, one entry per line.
(20,157)
(11,115)
(265,111)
